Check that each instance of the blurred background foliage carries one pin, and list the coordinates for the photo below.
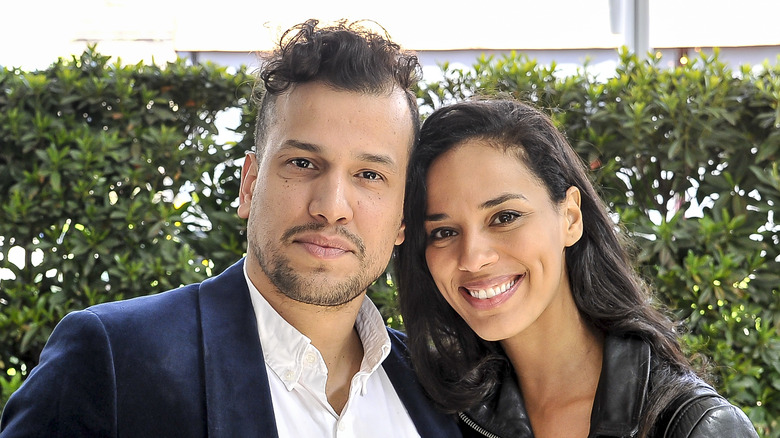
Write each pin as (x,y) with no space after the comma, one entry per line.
(116,182)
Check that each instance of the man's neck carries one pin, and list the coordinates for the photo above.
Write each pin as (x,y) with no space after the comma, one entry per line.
(332,331)
(328,327)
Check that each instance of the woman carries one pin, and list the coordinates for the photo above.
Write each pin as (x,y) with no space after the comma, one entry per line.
(523,311)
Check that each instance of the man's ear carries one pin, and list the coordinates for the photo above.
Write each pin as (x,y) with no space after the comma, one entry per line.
(401,234)
(573,215)
(248,179)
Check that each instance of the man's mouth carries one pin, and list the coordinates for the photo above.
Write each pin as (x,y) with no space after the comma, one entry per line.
(325,243)
(314,237)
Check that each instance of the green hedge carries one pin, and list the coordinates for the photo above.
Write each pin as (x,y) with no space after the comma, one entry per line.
(92,156)
(113,186)
(687,158)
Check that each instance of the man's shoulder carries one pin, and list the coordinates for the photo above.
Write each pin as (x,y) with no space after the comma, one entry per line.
(179,301)
(148,304)
(152,319)
(183,299)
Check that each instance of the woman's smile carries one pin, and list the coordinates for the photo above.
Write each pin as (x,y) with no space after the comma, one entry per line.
(491,297)
(490,291)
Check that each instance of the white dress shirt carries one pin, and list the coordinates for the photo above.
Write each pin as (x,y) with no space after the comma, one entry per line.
(297,375)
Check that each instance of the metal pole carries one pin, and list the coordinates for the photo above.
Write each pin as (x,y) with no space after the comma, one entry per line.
(632,19)
(641,35)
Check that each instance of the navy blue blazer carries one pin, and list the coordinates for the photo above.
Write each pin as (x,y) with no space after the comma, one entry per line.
(183,363)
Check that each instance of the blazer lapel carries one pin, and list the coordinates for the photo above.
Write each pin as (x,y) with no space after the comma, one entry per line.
(238,399)
(429,422)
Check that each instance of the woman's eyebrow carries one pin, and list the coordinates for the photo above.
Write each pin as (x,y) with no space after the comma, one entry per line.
(498,200)
(435,217)
(490,203)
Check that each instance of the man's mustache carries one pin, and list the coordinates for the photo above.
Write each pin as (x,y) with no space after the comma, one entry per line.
(340,230)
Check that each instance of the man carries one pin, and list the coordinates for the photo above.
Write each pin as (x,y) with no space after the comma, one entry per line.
(283,343)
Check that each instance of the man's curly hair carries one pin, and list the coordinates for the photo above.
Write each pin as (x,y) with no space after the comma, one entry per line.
(345,56)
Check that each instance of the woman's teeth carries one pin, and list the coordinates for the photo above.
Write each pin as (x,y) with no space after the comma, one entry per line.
(490,292)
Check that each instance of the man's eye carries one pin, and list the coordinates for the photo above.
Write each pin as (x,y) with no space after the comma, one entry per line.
(302,163)
(505,217)
(367,174)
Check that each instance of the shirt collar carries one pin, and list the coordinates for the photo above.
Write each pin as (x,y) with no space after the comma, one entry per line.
(285,348)
(376,342)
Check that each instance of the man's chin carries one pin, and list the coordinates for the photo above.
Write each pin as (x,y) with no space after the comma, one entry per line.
(325,302)
(315,289)
(334,305)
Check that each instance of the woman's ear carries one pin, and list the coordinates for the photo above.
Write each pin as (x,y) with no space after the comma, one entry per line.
(248,179)
(573,216)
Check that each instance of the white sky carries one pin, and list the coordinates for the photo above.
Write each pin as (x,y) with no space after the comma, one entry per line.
(37,32)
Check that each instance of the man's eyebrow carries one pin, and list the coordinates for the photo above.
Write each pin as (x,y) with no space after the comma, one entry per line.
(384,160)
(295,144)
(498,200)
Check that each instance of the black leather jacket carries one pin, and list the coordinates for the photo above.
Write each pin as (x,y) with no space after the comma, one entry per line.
(618,406)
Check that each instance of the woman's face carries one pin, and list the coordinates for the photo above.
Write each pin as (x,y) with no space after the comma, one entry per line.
(496,241)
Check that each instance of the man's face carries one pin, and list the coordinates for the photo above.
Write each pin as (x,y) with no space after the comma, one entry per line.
(324,201)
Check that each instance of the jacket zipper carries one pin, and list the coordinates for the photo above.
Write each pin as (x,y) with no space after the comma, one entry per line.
(476,427)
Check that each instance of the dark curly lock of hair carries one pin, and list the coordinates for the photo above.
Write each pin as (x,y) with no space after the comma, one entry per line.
(345,56)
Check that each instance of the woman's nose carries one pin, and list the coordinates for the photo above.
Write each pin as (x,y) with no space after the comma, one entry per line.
(476,252)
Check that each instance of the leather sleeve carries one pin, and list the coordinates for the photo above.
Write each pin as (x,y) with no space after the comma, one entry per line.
(711,416)
(72,391)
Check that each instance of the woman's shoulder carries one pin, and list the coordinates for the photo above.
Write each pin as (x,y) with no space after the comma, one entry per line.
(701,412)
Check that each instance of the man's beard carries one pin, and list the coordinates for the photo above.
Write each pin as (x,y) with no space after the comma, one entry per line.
(306,289)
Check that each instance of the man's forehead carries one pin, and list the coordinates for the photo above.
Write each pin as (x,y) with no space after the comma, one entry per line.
(309,90)
(369,115)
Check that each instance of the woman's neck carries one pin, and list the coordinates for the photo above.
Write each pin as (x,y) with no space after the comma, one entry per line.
(556,359)
(557,362)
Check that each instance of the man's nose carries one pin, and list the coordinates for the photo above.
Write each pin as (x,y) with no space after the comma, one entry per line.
(331,199)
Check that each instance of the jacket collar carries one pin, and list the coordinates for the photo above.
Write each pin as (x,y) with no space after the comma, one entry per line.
(503,415)
(617,407)
(430,423)
(622,390)
(238,402)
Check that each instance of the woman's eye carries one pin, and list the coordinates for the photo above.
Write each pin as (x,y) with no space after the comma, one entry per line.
(302,163)
(370,175)
(505,217)
(441,233)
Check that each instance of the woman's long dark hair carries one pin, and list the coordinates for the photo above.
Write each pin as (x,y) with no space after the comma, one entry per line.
(457,368)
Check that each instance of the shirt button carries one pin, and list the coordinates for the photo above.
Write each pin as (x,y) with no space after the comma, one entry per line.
(289,375)
(342,426)
(310,358)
